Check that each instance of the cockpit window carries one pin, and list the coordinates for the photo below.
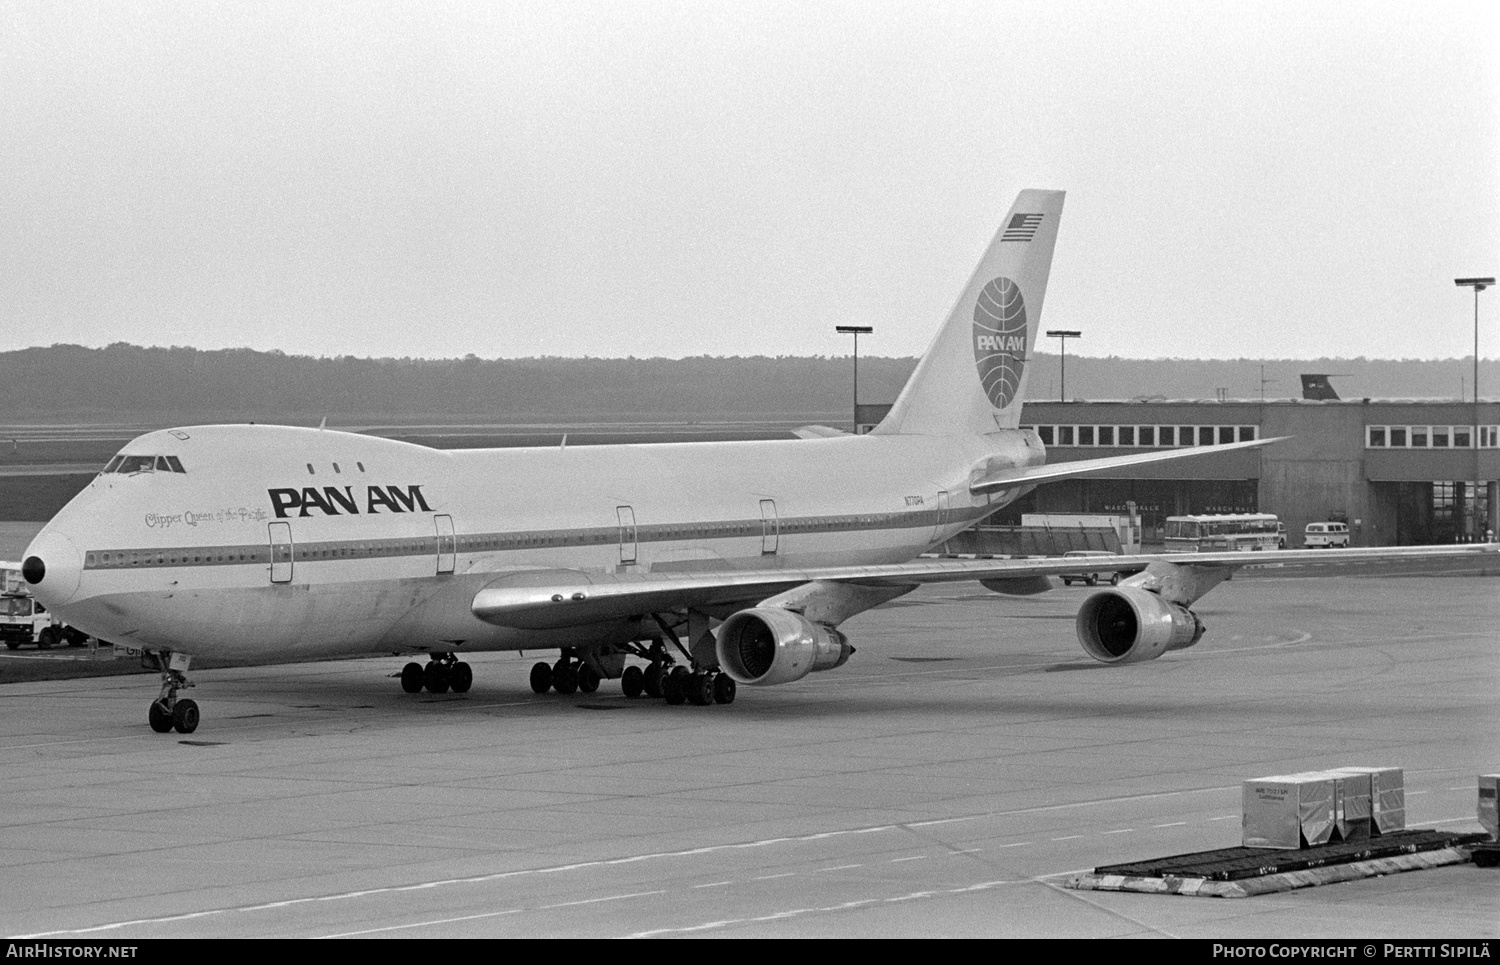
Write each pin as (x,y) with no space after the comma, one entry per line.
(133,464)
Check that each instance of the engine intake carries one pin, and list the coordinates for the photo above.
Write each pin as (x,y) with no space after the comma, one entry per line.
(1129,624)
(769,645)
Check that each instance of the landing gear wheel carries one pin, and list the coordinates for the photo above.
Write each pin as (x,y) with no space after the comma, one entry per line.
(699,688)
(411,678)
(724,688)
(651,680)
(185,717)
(435,678)
(460,677)
(674,685)
(565,676)
(633,681)
(541,678)
(160,717)
(588,678)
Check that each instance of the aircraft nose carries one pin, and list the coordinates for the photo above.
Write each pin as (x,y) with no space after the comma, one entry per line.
(53,567)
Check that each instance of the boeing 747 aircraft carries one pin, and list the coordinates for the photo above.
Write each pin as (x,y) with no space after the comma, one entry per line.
(680,569)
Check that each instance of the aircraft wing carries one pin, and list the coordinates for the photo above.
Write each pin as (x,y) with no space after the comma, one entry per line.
(564,598)
(1011,476)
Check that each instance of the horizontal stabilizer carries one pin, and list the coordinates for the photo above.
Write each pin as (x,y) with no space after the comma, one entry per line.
(1032,475)
(818,432)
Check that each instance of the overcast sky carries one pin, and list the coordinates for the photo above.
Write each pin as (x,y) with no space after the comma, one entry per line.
(732,178)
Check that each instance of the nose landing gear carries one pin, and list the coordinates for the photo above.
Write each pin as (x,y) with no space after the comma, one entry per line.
(168,711)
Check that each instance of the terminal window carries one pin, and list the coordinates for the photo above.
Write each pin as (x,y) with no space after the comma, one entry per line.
(1429,437)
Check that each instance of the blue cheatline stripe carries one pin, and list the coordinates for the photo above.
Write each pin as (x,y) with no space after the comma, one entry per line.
(245,554)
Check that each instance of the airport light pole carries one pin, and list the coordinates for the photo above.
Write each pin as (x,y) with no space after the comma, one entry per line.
(1479,285)
(856,331)
(1062,336)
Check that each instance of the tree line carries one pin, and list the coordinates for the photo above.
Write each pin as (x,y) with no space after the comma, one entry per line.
(122,379)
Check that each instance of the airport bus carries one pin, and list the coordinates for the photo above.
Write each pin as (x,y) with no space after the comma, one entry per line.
(1237,532)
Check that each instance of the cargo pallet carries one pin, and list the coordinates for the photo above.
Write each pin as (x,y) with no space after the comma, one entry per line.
(1242,872)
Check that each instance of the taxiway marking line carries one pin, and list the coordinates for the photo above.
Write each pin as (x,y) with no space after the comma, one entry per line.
(595,901)
(420,924)
(630,859)
(473,879)
(825,909)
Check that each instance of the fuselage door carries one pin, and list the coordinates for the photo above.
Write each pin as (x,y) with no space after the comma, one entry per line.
(770,527)
(446,543)
(942,515)
(626,516)
(281,552)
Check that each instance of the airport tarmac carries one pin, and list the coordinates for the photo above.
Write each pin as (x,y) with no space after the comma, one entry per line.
(943,783)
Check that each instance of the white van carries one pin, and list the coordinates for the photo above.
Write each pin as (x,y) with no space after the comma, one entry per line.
(1326,536)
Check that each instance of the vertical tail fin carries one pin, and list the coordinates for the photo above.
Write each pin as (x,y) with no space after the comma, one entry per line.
(972,378)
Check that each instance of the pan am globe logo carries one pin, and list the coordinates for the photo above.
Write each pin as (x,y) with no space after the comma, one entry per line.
(1000,340)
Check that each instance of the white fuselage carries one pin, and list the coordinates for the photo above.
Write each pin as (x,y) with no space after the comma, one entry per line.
(275,542)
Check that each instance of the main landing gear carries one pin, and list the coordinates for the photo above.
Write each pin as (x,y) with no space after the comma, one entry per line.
(444,672)
(567,676)
(168,711)
(662,678)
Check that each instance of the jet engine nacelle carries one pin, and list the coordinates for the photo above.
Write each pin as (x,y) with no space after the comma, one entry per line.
(1129,624)
(769,645)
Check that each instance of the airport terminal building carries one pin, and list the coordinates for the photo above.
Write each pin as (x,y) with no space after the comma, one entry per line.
(1399,472)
